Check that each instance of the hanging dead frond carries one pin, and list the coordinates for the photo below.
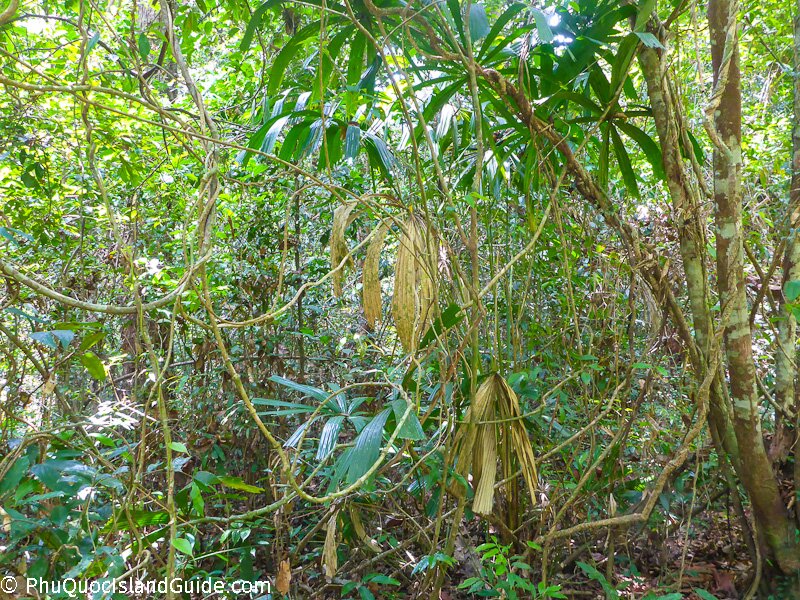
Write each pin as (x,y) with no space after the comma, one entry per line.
(330,560)
(371,281)
(515,431)
(284,578)
(361,533)
(493,427)
(414,300)
(342,217)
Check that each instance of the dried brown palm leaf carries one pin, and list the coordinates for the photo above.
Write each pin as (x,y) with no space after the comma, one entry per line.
(493,428)
(404,303)
(486,460)
(414,300)
(517,434)
(330,560)
(371,282)
(342,217)
(284,578)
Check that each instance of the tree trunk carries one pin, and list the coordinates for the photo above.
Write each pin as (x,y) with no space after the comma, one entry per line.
(691,231)
(756,473)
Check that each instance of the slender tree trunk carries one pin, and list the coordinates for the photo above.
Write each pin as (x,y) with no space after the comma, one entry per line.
(692,234)
(794,243)
(786,355)
(757,476)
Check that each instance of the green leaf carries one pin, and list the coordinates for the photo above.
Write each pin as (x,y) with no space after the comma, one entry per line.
(649,40)
(205,478)
(44,337)
(123,518)
(596,575)
(182,545)
(478,23)
(287,54)
(271,136)
(179,447)
(380,151)
(622,62)
(511,12)
(14,475)
(255,22)
(542,26)
(93,42)
(365,594)
(650,148)
(704,595)
(451,316)
(236,483)
(306,390)
(91,340)
(381,579)
(65,336)
(144,46)
(412,428)
(352,141)
(285,408)
(643,13)
(329,436)
(367,446)
(94,365)
(791,290)
(455,12)
(624,161)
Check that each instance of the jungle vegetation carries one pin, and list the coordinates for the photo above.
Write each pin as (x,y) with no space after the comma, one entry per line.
(401,299)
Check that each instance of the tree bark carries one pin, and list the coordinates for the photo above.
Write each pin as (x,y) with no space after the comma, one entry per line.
(756,473)
(692,234)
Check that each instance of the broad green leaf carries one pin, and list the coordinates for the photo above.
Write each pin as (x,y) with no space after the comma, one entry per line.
(455,13)
(411,429)
(624,162)
(65,336)
(649,40)
(52,339)
(283,408)
(306,390)
(236,483)
(255,22)
(205,478)
(380,152)
(358,459)
(183,545)
(94,365)
(511,12)
(179,447)
(791,290)
(451,316)
(329,436)
(92,340)
(144,47)
(646,8)
(14,475)
(352,141)
(650,148)
(44,337)
(623,60)
(124,518)
(272,134)
(543,26)
(287,54)
(478,23)
(299,434)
